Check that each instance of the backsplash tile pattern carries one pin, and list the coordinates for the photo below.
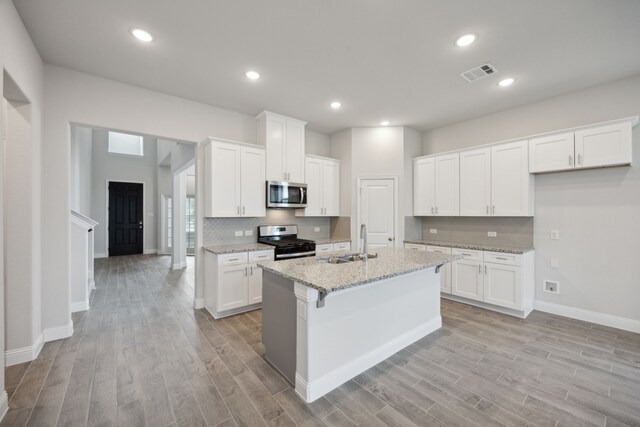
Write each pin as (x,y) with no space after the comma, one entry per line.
(340,227)
(412,228)
(221,231)
(512,231)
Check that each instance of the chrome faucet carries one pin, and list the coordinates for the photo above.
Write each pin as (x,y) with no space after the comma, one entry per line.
(365,246)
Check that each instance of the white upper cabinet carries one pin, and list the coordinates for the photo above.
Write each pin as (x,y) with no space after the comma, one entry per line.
(551,153)
(604,146)
(448,185)
(475,182)
(609,144)
(284,140)
(512,187)
(322,176)
(234,180)
(424,187)
(436,185)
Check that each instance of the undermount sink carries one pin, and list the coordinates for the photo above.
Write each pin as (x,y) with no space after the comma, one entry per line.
(346,258)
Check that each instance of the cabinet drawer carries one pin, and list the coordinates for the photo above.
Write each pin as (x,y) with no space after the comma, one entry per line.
(415,246)
(324,248)
(259,256)
(503,258)
(439,249)
(469,254)
(232,259)
(343,246)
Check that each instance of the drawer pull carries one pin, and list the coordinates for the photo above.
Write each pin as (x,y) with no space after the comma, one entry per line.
(502,258)
(465,254)
(234,259)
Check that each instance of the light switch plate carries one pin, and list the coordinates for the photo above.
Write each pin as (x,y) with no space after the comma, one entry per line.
(555,234)
(492,234)
(239,233)
(433,230)
(248,232)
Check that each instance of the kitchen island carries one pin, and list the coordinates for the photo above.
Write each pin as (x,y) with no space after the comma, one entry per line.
(327,319)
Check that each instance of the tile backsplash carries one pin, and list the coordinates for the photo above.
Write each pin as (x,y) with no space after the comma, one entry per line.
(513,231)
(221,231)
(340,227)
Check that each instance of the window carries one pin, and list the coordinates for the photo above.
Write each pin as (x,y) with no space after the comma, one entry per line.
(126,144)
(169,222)
(191,224)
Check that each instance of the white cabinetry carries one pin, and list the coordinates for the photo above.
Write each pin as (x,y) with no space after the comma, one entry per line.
(475,182)
(415,246)
(589,147)
(467,277)
(322,176)
(326,248)
(234,180)
(342,246)
(436,185)
(233,282)
(284,140)
(512,187)
(445,270)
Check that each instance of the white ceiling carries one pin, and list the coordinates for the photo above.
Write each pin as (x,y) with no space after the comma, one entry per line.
(384,59)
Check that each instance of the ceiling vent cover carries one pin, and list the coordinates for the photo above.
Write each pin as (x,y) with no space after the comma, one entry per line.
(479,72)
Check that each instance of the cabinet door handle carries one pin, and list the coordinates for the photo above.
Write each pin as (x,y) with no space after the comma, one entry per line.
(252,270)
(485,269)
(238,210)
(479,269)
(487,209)
(246,271)
(243,210)
(502,258)
(436,210)
(431,210)
(570,160)
(494,209)
(234,259)
(580,159)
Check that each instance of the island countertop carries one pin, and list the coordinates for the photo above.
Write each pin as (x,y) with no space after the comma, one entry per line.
(325,277)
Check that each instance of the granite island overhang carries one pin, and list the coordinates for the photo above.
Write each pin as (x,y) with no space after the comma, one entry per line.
(324,323)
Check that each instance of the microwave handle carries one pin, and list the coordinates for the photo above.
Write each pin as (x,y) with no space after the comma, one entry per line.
(301,195)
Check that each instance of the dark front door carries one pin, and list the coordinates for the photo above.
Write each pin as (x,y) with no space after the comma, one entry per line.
(125,218)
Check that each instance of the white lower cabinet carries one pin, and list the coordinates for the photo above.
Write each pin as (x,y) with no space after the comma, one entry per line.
(445,271)
(342,246)
(467,278)
(233,282)
(326,248)
(503,285)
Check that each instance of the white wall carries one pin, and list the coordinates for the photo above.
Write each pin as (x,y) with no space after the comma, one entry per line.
(19,58)
(81,169)
(596,210)
(109,167)
(74,97)
(341,149)
(317,143)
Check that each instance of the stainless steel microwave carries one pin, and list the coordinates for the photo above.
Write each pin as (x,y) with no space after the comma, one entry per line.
(281,194)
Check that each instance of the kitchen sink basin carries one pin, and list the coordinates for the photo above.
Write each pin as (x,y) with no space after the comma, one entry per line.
(346,258)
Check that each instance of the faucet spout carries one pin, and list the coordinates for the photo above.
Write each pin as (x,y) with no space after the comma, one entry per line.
(365,246)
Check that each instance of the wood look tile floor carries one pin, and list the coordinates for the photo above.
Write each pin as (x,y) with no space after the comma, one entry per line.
(143,356)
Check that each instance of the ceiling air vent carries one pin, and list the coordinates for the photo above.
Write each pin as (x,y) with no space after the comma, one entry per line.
(478,73)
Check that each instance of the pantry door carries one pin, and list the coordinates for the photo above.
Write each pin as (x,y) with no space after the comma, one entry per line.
(377,207)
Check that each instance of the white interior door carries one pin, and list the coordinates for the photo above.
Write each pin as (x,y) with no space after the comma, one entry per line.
(377,211)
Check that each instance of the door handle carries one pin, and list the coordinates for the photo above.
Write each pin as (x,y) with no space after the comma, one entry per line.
(494,208)
(431,210)
(570,160)
(243,210)
(580,159)
(485,269)
(391,239)
(436,210)
(479,269)
(487,209)
(246,271)
(252,270)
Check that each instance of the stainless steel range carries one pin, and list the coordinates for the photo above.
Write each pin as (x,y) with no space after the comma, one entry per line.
(286,241)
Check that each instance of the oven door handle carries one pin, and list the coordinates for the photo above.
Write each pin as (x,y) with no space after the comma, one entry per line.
(299,254)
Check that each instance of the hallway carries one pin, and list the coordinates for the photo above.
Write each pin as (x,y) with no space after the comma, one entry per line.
(142,356)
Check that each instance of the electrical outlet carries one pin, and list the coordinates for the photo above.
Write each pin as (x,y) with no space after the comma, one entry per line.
(316,229)
(239,233)
(492,234)
(248,232)
(555,234)
(551,286)
(433,230)
(555,263)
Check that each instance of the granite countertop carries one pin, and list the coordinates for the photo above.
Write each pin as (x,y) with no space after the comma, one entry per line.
(327,241)
(474,246)
(328,278)
(230,249)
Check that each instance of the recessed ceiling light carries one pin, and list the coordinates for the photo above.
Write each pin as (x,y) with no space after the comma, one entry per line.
(506,82)
(384,123)
(335,105)
(252,75)
(141,35)
(466,40)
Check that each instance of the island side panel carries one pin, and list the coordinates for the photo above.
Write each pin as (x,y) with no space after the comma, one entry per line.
(361,326)
(279,324)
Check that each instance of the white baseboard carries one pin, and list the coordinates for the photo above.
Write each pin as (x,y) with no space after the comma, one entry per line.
(610,320)
(511,312)
(198,303)
(80,306)
(24,354)
(52,334)
(150,251)
(4,404)
(310,391)
(99,255)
